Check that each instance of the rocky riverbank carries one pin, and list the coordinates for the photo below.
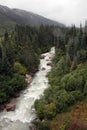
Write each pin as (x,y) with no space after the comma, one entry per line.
(24,114)
(10,105)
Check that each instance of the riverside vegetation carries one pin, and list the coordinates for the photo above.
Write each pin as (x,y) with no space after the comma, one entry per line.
(20,54)
(64,103)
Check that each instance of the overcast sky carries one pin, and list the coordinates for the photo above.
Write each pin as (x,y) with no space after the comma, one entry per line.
(65,11)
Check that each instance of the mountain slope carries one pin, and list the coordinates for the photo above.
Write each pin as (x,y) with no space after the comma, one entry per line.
(10,17)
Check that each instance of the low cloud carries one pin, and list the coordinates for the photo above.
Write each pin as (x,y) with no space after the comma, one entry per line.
(65,11)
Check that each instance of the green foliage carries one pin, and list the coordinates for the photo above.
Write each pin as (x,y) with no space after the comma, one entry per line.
(73,81)
(6,25)
(18,82)
(40,107)
(68,77)
(64,126)
(10,85)
(20,51)
(82,55)
(41,125)
(19,68)
(69,88)
(78,95)
(63,100)
(50,111)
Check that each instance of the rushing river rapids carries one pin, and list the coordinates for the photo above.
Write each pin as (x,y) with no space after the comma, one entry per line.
(24,113)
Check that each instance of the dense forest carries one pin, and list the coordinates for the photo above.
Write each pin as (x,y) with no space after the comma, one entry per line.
(66,95)
(19,55)
(64,103)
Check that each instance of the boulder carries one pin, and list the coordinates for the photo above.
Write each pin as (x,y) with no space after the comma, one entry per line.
(49,64)
(47,59)
(28,78)
(2,107)
(43,68)
(10,107)
(46,75)
(17,95)
(32,127)
(42,56)
(50,58)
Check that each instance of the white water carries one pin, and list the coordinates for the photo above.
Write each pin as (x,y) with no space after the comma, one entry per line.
(24,113)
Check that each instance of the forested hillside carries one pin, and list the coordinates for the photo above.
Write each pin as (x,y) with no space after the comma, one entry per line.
(10,17)
(20,54)
(64,104)
(60,108)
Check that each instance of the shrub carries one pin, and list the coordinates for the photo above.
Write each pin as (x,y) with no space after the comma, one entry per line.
(50,111)
(19,68)
(41,125)
(61,98)
(82,55)
(40,108)
(78,95)
(73,81)
(18,82)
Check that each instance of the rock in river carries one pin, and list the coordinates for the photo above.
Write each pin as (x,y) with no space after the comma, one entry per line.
(10,107)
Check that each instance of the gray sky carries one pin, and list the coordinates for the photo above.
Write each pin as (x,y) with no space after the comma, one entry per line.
(65,11)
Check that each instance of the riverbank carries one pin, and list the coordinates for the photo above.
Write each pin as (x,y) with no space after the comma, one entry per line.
(24,112)
(10,105)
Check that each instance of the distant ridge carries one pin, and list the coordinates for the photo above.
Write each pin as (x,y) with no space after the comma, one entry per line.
(9,17)
(25,17)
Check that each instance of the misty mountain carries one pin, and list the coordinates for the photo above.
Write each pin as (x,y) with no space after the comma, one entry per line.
(24,17)
(9,17)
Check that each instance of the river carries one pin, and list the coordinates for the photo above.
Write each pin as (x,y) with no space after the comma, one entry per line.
(24,112)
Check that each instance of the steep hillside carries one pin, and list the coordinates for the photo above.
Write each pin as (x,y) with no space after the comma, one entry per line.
(64,103)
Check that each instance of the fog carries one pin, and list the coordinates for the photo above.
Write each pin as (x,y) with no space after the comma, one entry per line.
(64,11)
